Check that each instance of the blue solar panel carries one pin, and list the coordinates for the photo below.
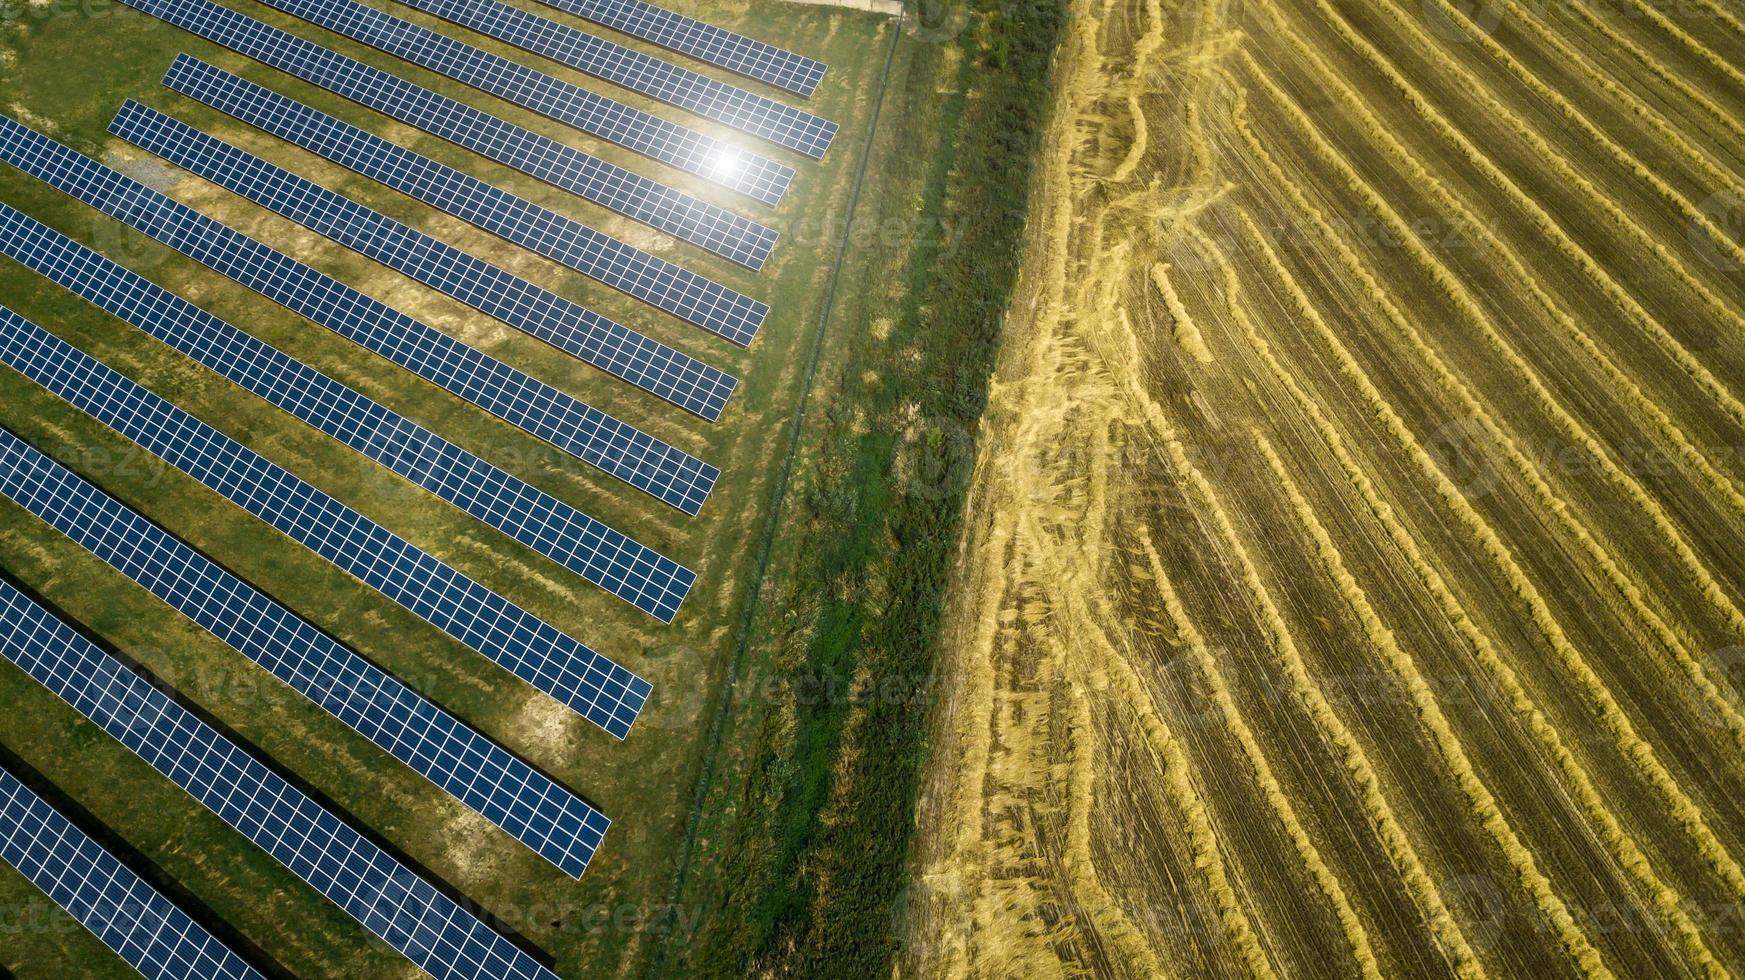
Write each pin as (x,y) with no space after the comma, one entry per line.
(571,328)
(592,436)
(119,907)
(657,368)
(713,160)
(705,42)
(589,684)
(499,786)
(593,550)
(541,157)
(727,104)
(432,182)
(386,897)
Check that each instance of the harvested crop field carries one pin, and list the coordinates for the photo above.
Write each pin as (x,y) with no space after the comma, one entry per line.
(1353,578)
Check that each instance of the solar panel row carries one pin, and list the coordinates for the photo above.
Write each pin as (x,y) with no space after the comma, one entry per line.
(541,157)
(119,907)
(727,104)
(517,302)
(499,786)
(705,42)
(713,160)
(689,296)
(587,433)
(588,683)
(509,298)
(591,549)
(387,898)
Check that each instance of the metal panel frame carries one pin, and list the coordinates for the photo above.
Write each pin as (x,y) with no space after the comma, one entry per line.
(383,895)
(649,365)
(589,684)
(496,784)
(616,448)
(119,907)
(729,105)
(597,552)
(714,160)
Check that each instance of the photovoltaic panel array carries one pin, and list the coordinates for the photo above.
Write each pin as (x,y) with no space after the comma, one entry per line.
(729,105)
(705,42)
(481,774)
(119,907)
(672,144)
(691,297)
(411,173)
(571,328)
(654,367)
(598,553)
(608,185)
(383,895)
(589,434)
(591,685)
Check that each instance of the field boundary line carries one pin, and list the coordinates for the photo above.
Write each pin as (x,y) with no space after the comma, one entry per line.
(778,501)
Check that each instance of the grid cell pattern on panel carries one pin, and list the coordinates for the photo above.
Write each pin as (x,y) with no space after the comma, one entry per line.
(442,186)
(608,185)
(705,42)
(550,660)
(651,366)
(549,819)
(729,105)
(586,546)
(383,895)
(119,907)
(713,160)
(589,434)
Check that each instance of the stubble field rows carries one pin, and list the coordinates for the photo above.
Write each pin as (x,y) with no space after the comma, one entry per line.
(1365,460)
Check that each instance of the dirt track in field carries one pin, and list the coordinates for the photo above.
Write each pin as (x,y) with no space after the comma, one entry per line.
(1356,575)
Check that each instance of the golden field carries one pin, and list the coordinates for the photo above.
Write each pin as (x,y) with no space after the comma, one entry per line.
(1353,575)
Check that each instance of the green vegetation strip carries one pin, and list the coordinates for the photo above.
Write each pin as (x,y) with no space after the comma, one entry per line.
(712,747)
(800,844)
